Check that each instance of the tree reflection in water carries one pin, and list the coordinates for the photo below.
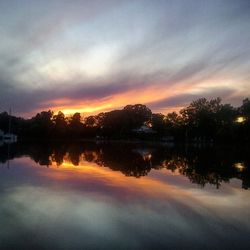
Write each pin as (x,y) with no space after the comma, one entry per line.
(208,165)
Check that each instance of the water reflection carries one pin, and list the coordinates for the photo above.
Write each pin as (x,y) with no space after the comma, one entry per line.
(201,165)
(123,196)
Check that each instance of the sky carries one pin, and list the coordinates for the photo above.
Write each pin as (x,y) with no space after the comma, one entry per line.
(91,56)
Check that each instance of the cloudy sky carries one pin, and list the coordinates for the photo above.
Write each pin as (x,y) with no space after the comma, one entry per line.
(96,55)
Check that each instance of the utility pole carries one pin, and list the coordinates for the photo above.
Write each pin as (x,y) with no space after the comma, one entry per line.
(9,121)
(8,162)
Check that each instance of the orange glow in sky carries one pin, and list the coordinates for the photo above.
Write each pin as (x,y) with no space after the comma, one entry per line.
(150,94)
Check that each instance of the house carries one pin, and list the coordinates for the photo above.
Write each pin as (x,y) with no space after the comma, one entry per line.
(144,130)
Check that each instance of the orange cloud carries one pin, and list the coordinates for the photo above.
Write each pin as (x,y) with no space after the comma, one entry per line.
(152,93)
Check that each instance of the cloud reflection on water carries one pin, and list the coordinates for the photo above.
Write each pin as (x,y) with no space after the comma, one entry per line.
(93,206)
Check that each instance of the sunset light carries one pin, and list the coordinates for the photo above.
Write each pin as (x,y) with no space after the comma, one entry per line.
(124,124)
(95,65)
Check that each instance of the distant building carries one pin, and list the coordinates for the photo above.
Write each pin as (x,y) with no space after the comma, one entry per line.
(144,130)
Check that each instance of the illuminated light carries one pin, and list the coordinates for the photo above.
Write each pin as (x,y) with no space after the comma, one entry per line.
(239,166)
(150,125)
(147,157)
(240,119)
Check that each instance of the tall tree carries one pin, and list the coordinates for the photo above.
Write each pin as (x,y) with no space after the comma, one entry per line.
(200,117)
(60,124)
(75,125)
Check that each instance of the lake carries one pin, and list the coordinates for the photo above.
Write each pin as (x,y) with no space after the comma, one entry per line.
(124,196)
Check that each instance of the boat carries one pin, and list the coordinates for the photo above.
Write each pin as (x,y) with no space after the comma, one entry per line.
(8,137)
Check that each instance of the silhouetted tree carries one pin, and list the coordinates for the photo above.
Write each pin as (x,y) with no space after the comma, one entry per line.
(225,122)
(41,124)
(60,124)
(175,125)
(245,108)
(243,129)
(75,125)
(201,121)
(159,123)
(116,123)
(200,118)
(137,114)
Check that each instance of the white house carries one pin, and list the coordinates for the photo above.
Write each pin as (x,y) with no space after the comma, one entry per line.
(144,130)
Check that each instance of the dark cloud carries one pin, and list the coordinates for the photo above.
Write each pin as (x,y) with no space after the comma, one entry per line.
(23,101)
(163,43)
(185,99)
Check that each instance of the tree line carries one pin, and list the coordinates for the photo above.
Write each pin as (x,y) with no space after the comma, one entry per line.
(202,120)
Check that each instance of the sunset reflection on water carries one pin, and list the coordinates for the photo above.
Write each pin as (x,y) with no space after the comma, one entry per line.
(88,199)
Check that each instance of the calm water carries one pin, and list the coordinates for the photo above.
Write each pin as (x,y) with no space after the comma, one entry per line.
(124,196)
